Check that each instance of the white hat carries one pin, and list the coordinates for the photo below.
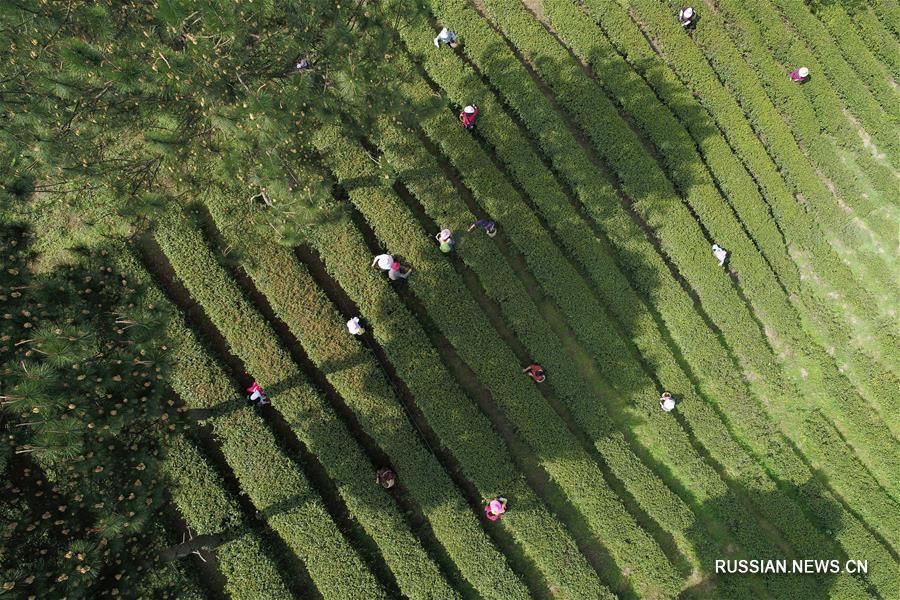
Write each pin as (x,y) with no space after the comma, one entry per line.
(385,261)
(469,109)
(446,234)
(688,12)
(804,72)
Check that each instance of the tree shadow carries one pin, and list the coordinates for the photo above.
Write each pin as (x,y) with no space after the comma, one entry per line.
(775,569)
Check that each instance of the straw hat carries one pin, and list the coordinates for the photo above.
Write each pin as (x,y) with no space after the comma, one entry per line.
(804,72)
(469,109)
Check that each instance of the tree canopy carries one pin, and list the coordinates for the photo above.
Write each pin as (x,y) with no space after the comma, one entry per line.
(132,103)
(87,416)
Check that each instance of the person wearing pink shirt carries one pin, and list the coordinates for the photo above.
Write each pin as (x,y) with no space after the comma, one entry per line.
(257,395)
(495,508)
(799,75)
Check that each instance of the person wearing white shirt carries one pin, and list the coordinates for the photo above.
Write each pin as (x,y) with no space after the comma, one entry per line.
(720,254)
(446,37)
(354,327)
(384,261)
(666,402)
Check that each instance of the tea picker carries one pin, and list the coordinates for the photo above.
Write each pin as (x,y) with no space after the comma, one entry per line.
(720,253)
(489,227)
(257,395)
(445,240)
(800,75)
(396,272)
(354,327)
(446,37)
(467,117)
(536,372)
(495,508)
(687,16)
(666,402)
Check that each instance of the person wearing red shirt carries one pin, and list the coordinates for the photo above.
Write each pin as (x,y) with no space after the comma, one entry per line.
(467,117)
(536,372)
(257,395)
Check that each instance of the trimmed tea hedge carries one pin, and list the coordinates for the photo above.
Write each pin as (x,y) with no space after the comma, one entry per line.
(762,44)
(884,45)
(828,313)
(667,441)
(879,121)
(410,160)
(434,283)
(871,262)
(315,424)
(296,300)
(247,444)
(678,149)
(651,276)
(685,243)
(854,50)
(446,70)
(277,487)
(199,494)
(888,12)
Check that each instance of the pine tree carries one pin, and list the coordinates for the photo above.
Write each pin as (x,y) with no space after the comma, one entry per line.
(87,416)
(134,103)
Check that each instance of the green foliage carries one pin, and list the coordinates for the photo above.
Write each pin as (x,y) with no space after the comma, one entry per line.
(199,492)
(801,228)
(277,487)
(114,111)
(466,328)
(768,263)
(655,200)
(313,421)
(305,309)
(132,102)
(87,416)
(646,273)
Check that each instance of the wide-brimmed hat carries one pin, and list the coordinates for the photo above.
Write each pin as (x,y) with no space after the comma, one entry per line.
(469,109)
(804,72)
(497,507)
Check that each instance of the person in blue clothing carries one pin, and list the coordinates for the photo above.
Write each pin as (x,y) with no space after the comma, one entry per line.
(489,226)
